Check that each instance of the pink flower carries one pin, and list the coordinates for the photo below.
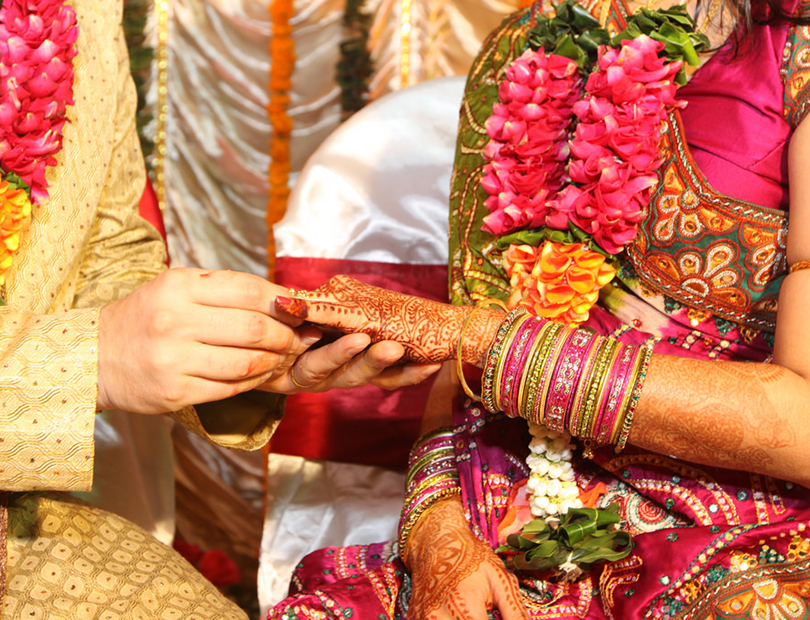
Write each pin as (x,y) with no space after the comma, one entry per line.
(527,149)
(36,86)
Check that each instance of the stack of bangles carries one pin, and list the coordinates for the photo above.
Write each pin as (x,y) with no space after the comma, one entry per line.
(564,378)
(432,476)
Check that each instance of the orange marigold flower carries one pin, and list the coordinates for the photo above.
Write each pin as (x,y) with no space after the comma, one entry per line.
(556,281)
(15,218)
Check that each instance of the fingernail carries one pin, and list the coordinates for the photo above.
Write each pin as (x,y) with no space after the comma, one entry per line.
(294,307)
(308,341)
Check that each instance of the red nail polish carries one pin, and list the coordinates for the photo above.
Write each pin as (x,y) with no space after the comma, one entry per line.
(295,307)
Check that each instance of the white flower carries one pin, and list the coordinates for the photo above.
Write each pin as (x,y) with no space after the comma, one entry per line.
(552,474)
(538,445)
(540,467)
(554,488)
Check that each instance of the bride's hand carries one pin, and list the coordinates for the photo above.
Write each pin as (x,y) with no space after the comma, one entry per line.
(428,330)
(456,576)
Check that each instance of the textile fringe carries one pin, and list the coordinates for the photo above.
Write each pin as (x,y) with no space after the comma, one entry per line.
(3,543)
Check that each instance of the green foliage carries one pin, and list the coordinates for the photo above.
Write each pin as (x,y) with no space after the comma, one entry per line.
(536,236)
(582,538)
(355,66)
(573,32)
(140,60)
(675,28)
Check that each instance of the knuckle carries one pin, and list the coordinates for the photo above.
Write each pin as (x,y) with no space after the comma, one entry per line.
(242,367)
(253,292)
(162,322)
(174,395)
(255,329)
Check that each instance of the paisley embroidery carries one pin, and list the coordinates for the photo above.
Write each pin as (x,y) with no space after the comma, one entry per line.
(706,250)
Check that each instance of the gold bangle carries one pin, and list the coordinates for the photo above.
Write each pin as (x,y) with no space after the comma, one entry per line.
(646,357)
(459,364)
(537,372)
(802,264)
(416,514)
(509,339)
(593,385)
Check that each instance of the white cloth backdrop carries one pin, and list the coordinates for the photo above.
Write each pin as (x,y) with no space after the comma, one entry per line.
(217,131)
(385,202)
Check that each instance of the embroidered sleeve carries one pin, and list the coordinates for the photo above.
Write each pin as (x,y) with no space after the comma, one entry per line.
(796,70)
(47,399)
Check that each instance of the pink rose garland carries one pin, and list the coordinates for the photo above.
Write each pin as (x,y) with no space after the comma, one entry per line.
(561,154)
(614,150)
(528,147)
(37,47)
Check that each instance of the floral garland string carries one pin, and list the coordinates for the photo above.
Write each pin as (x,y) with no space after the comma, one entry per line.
(282,62)
(572,161)
(37,47)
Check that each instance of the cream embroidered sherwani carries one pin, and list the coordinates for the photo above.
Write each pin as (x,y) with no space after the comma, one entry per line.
(87,246)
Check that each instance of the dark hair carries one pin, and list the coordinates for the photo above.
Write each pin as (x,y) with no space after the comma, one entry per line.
(748,13)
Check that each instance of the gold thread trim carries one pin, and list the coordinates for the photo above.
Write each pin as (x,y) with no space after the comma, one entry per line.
(161,55)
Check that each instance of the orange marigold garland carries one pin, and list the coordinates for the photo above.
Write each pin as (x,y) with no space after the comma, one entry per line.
(556,280)
(282,61)
(15,209)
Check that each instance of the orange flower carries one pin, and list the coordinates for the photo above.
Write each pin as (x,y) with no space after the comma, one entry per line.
(282,61)
(556,281)
(15,218)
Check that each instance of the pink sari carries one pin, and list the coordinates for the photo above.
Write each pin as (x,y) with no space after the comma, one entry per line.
(709,542)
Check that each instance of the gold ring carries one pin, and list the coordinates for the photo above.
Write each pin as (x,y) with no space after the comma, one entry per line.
(294,382)
(299,294)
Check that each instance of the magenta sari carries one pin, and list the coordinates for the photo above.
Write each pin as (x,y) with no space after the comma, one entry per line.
(700,281)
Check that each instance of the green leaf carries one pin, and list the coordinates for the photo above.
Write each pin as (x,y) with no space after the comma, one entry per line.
(16,182)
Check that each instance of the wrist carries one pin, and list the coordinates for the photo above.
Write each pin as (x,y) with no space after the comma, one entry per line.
(420,537)
(480,327)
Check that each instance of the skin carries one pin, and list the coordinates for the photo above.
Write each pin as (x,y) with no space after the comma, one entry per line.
(459,576)
(193,336)
(428,330)
(745,416)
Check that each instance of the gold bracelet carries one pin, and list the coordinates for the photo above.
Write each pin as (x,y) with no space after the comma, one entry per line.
(798,266)
(624,434)
(460,364)
(593,385)
(514,328)
(628,394)
(413,518)
(578,400)
(537,373)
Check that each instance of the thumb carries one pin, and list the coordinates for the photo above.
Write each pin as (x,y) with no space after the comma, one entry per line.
(291,307)
(506,596)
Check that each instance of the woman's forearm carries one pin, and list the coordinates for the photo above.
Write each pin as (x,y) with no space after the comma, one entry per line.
(738,415)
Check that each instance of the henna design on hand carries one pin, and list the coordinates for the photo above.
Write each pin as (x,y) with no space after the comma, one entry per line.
(725,417)
(444,554)
(428,330)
